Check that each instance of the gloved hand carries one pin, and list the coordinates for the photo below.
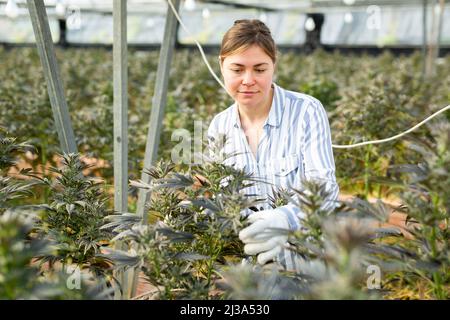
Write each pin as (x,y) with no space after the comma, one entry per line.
(266,236)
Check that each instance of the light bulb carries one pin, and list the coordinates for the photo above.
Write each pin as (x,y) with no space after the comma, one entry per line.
(60,9)
(150,23)
(437,9)
(349,2)
(11,9)
(206,13)
(348,18)
(189,5)
(263,17)
(309,24)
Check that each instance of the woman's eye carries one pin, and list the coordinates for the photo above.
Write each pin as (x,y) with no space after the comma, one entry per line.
(260,70)
(236,70)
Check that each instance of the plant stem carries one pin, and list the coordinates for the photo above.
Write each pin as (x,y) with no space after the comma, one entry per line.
(366,172)
(437,288)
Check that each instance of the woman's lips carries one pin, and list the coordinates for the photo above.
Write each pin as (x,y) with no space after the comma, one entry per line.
(248,92)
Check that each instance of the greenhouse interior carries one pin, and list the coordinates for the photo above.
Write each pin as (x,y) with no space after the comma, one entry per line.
(224,150)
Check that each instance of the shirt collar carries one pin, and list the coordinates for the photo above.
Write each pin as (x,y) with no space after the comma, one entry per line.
(276,109)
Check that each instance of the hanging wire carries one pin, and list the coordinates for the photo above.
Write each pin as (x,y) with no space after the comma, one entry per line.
(198,45)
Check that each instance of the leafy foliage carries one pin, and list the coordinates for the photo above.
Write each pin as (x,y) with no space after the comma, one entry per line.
(187,244)
(330,256)
(427,204)
(74,216)
(20,276)
(194,218)
(366,98)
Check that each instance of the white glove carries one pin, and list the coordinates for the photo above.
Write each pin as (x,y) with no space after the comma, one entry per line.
(266,236)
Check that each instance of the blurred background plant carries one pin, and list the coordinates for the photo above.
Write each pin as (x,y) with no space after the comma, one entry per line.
(20,278)
(426,202)
(72,219)
(20,245)
(366,98)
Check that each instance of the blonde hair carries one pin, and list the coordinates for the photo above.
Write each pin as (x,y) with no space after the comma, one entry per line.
(246,33)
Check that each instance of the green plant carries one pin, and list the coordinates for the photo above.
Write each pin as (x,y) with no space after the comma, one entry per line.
(323,89)
(11,190)
(366,98)
(191,229)
(331,254)
(73,218)
(427,203)
(20,277)
(381,107)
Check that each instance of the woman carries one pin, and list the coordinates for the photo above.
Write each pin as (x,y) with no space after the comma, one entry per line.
(280,136)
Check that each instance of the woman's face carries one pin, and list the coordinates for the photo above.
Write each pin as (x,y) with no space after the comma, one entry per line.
(248,76)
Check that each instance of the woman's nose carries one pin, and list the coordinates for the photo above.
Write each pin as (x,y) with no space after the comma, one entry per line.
(248,79)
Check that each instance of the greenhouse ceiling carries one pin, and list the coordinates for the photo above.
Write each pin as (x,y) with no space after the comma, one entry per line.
(278,5)
(346,21)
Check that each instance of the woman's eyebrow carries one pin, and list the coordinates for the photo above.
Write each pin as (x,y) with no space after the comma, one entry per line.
(256,65)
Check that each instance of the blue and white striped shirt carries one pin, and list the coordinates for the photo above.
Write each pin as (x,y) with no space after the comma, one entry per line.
(295,146)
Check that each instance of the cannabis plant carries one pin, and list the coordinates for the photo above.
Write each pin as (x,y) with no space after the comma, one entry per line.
(20,276)
(11,189)
(191,229)
(73,218)
(427,203)
(331,253)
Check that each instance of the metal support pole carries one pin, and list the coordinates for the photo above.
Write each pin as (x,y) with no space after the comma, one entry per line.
(159,101)
(120,75)
(120,61)
(440,25)
(433,49)
(52,73)
(424,36)
(158,106)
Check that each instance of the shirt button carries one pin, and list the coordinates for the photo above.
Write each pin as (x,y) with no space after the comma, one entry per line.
(261,208)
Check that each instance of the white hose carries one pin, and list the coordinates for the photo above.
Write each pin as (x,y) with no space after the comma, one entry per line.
(338,146)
